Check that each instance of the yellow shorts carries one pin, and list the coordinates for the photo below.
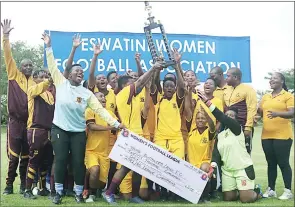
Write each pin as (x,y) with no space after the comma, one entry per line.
(236,180)
(143,184)
(113,139)
(174,146)
(126,184)
(94,159)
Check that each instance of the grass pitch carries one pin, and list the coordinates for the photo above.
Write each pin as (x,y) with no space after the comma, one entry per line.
(259,164)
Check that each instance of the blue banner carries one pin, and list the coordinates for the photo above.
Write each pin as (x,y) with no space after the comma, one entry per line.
(200,53)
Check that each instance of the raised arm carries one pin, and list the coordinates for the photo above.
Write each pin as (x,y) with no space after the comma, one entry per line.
(56,75)
(177,58)
(179,75)
(96,106)
(212,127)
(141,82)
(157,81)
(96,52)
(38,89)
(146,107)
(139,68)
(228,122)
(76,43)
(188,107)
(11,68)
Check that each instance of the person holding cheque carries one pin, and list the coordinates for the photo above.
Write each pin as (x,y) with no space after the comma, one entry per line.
(129,110)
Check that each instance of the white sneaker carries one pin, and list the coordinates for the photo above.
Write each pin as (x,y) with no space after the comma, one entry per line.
(286,195)
(90,199)
(35,191)
(269,193)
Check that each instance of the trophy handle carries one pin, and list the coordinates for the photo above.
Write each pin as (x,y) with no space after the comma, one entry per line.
(151,44)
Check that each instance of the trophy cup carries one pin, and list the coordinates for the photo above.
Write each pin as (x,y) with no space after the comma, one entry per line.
(148,33)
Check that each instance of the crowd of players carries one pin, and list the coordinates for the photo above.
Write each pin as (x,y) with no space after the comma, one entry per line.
(63,128)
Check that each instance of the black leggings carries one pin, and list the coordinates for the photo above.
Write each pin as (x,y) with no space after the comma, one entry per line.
(277,152)
(63,142)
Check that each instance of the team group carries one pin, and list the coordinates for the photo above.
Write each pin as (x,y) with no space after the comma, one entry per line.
(63,128)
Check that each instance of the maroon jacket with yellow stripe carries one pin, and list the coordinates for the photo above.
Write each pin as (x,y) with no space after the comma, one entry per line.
(18,86)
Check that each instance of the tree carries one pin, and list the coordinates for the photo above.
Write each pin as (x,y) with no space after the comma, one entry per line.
(20,50)
(289,78)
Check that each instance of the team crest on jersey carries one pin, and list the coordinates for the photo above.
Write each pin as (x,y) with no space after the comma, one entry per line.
(238,95)
(204,176)
(141,99)
(125,133)
(79,100)
(204,140)
(174,105)
(244,182)
(112,105)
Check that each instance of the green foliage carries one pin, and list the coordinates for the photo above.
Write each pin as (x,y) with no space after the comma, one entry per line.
(289,76)
(20,50)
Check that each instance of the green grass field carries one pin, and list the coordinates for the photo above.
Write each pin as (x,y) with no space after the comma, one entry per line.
(259,163)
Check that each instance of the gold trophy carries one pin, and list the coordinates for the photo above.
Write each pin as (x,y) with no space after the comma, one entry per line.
(148,34)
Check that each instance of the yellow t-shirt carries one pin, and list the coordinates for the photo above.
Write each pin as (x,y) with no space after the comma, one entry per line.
(199,148)
(219,104)
(219,92)
(244,98)
(168,120)
(149,125)
(130,113)
(97,141)
(277,128)
(110,99)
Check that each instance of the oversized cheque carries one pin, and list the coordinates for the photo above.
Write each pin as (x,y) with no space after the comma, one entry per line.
(159,165)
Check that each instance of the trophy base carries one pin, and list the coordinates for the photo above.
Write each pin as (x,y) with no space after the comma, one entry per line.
(169,63)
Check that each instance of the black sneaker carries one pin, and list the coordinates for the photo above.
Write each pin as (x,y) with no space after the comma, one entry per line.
(178,198)
(22,189)
(56,199)
(51,195)
(43,192)
(164,196)
(8,190)
(29,195)
(214,195)
(79,198)
(70,193)
(98,193)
